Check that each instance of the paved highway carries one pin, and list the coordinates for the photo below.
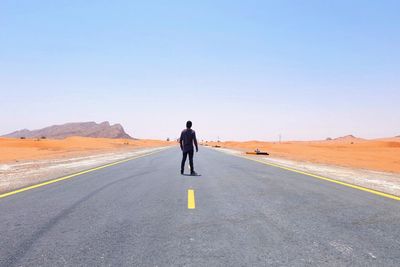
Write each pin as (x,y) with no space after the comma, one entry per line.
(243,213)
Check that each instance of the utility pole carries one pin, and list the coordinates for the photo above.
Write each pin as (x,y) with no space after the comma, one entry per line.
(280,138)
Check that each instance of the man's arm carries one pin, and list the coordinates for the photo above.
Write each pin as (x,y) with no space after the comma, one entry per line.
(195,141)
(180,141)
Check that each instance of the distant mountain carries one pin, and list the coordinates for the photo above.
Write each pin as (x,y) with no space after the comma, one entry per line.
(347,138)
(85,129)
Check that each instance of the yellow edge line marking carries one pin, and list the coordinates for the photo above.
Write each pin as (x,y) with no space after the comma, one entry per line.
(73,175)
(372,191)
(191,201)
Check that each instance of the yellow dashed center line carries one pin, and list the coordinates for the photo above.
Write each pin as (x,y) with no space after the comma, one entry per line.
(191,200)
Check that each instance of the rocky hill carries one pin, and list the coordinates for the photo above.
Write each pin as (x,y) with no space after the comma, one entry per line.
(85,129)
(346,139)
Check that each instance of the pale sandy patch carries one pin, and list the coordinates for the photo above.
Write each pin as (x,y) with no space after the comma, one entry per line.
(386,182)
(21,174)
(25,162)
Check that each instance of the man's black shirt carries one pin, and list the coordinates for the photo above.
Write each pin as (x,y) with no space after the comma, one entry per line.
(188,137)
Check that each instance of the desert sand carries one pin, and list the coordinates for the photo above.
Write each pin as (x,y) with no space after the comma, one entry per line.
(379,155)
(16,150)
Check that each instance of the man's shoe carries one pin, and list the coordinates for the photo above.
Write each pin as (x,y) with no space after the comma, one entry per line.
(182,172)
(193,173)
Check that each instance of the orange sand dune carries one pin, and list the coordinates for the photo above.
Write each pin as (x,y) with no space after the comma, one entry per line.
(380,154)
(13,149)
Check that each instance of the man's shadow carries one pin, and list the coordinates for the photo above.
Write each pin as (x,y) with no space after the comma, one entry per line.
(194,175)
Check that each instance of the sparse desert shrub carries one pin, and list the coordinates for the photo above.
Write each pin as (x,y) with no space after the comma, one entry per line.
(328,139)
(43,137)
(22,137)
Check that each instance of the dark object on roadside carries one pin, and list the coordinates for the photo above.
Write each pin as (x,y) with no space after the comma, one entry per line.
(43,137)
(217,146)
(22,137)
(257,152)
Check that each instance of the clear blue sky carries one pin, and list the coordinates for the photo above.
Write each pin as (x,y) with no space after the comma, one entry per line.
(239,69)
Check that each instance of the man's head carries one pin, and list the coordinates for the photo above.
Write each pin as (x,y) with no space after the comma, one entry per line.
(188,124)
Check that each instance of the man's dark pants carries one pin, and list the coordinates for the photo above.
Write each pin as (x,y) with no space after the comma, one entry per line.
(184,156)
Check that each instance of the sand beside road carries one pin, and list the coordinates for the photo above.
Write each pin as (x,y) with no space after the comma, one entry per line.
(378,155)
(27,162)
(17,150)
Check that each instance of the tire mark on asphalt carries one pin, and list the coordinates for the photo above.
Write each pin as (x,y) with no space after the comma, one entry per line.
(25,246)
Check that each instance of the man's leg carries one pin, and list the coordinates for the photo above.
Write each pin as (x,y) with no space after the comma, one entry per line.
(184,156)
(191,161)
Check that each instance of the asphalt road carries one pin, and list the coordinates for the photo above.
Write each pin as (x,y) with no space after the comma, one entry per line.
(246,214)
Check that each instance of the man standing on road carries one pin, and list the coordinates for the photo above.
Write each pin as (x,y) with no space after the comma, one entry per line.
(188,137)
